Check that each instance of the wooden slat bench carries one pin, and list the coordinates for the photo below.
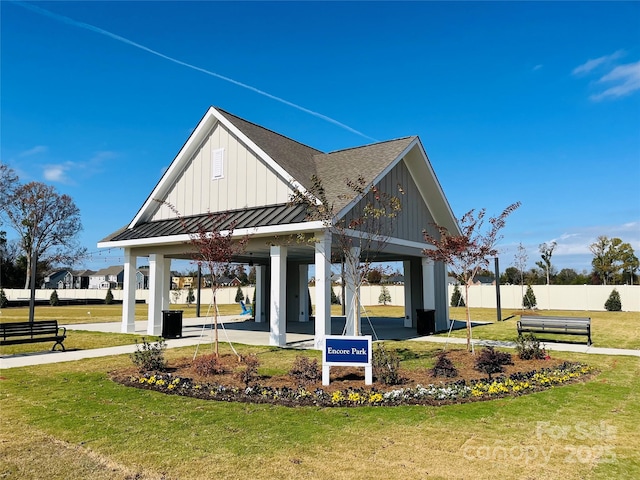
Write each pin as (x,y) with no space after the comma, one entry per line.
(560,325)
(13,333)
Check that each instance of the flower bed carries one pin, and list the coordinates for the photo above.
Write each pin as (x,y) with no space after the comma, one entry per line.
(460,391)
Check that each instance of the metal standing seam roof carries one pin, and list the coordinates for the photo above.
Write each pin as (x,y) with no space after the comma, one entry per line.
(245,218)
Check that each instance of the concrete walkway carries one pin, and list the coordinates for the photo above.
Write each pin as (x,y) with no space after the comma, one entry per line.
(238,330)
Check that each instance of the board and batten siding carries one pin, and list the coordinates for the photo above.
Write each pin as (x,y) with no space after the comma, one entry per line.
(246,181)
(414,215)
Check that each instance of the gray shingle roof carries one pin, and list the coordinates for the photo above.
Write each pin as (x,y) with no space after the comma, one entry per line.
(296,158)
(302,163)
(335,168)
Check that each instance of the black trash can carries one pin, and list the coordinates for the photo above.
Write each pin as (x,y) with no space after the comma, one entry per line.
(171,323)
(426,321)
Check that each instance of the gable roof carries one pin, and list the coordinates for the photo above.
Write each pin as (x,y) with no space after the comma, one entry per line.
(369,161)
(294,157)
(112,270)
(295,162)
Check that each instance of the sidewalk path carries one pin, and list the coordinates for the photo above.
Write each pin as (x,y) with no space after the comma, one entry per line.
(549,346)
(238,331)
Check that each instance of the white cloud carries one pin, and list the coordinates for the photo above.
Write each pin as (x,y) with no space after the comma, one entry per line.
(33,151)
(566,236)
(572,250)
(617,80)
(626,79)
(592,64)
(56,173)
(537,67)
(60,172)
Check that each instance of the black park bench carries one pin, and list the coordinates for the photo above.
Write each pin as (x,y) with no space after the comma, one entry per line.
(556,325)
(13,333)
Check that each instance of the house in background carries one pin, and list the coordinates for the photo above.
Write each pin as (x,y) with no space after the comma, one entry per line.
(81,278)
(482,280)
(110,277)
(248,173)
(59,279)
(395,279)
(66,278)
(142,278)
(229,281)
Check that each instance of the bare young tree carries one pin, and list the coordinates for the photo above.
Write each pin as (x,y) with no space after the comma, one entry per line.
(521,259)
(361,235)
(470,251)
(47,224)
(546,251)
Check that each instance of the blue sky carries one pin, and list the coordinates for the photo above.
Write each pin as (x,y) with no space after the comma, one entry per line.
(513,101)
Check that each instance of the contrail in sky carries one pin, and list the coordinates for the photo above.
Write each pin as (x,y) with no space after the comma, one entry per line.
(92,28)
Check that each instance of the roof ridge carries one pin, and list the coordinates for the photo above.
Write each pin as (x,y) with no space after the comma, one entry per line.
(266,129)
(371,144)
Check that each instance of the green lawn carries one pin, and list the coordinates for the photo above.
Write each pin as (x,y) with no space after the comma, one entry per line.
(78,340)
(74,314)
(69,420)
(608,329)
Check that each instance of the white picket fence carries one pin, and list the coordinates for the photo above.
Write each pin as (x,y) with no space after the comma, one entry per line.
(549,297)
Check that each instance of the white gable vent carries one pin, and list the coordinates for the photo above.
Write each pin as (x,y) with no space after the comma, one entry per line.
(217,158)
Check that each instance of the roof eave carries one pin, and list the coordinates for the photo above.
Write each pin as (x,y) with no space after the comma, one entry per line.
(269,230)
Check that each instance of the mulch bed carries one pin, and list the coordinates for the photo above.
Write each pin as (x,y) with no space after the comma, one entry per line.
(347,386)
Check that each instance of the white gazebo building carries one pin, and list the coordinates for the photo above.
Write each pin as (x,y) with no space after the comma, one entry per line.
(248,172)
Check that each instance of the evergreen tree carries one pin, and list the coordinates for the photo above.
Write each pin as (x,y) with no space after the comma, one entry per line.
(334,298)
(457,300)
(108,299)
(190,296)
(529,300)
(239,295)
(53,299)
(3,298)
(385,296)
(613,303)
(253,303)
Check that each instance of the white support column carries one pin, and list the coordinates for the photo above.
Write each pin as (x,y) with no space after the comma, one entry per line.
(408,307)
(156,287)
(303,294)
(352,292)
(166,284)
(129,294)
(278,311)
(323,284)
(260,285)
(447,298)
(428,284)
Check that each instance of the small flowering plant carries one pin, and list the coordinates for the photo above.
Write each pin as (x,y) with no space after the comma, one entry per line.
(445,393)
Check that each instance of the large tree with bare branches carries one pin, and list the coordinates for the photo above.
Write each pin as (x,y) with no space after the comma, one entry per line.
(470,251)
(47,224)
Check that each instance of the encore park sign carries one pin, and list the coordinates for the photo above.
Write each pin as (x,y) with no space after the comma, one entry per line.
(347,351)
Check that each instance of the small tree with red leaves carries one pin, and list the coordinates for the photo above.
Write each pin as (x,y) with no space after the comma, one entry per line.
(215,248)
(468,252)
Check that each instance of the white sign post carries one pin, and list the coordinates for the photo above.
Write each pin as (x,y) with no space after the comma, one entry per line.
(347,351)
